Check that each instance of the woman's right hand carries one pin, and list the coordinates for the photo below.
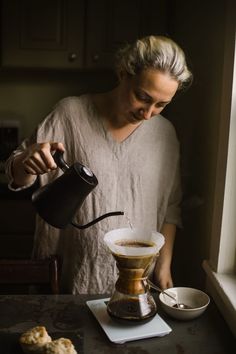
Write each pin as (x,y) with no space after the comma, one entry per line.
(36,160)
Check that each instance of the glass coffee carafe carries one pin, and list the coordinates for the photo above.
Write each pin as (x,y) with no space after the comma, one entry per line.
(134,250)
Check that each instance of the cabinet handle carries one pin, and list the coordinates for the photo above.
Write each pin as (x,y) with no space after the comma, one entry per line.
(72,56)
(96,58)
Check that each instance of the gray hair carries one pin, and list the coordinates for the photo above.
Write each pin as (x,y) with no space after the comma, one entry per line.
(154,52)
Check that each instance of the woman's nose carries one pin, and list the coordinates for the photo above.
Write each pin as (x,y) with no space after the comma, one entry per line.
(147,112)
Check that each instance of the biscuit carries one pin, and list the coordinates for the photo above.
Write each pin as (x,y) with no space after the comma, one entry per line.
(60,346)
(34,340)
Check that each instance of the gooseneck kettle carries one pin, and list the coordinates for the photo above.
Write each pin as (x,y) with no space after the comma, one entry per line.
(58,201)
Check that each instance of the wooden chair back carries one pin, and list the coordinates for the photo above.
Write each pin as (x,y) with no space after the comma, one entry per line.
(31,272)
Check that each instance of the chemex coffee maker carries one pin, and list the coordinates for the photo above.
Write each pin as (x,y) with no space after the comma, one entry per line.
(58,201)
(134,250)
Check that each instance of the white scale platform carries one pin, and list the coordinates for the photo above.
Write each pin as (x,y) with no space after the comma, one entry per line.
(121,333)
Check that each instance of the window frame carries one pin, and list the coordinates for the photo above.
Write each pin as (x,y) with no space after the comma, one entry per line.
(221,266)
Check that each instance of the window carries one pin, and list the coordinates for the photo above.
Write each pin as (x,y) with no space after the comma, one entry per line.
(221,267)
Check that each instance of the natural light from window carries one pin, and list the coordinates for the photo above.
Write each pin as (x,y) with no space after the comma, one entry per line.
(221,267)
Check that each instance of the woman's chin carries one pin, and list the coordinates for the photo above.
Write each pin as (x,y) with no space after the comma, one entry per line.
(132,119)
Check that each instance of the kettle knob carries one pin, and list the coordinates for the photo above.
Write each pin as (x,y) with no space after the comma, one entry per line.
(86,171)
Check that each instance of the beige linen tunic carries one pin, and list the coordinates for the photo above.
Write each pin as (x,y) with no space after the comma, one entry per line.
(139,176)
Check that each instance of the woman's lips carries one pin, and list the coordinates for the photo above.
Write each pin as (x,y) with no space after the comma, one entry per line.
(134,118)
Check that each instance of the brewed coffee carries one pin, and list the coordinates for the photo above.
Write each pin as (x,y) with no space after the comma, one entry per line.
(132,309)
(130,243)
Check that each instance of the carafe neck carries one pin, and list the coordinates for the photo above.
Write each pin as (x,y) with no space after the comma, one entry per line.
(131,281)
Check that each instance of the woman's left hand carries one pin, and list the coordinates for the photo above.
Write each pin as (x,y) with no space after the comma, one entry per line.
(162,276)
(162,271)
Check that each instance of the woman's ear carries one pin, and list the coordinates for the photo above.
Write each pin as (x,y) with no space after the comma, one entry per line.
(121,75)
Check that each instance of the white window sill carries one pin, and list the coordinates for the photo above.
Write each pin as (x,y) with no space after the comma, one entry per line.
(222,288)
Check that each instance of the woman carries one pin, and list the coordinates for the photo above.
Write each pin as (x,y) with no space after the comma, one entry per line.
(132,149)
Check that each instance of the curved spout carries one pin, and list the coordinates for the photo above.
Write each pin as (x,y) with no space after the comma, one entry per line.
(81,227)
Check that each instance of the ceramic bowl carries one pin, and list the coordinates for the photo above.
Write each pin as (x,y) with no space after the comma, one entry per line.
(196,299)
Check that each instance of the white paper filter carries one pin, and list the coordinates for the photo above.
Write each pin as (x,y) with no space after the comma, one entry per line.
(128,234)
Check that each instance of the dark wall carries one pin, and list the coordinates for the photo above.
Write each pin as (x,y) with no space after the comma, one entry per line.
(201,29)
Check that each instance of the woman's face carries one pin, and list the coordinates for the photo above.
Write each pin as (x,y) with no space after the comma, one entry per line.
(145,95)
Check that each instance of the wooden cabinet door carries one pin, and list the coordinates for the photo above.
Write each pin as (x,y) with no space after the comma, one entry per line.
(17,220)
(111,23)
(43,33)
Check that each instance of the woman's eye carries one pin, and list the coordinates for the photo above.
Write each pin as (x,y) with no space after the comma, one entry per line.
(161,105)
(142,97)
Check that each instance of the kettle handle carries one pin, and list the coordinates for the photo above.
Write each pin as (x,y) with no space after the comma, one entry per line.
(58,158)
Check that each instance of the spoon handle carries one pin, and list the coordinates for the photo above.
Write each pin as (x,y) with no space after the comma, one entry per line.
(154,286)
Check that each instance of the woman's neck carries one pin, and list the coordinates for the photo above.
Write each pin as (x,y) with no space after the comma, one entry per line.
(106,108)
(109,113)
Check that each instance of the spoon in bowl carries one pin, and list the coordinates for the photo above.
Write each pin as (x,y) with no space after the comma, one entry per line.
(177,304)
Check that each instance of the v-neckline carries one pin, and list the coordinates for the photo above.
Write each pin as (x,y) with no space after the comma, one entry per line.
(110,137)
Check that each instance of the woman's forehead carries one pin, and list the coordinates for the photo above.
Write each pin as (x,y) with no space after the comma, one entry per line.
(154,82)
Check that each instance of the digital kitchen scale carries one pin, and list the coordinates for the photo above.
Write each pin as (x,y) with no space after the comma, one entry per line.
(121,333)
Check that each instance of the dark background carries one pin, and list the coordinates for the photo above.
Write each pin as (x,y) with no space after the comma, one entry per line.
(55,49)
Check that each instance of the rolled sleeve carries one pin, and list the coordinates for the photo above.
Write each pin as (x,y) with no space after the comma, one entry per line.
(8,168)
